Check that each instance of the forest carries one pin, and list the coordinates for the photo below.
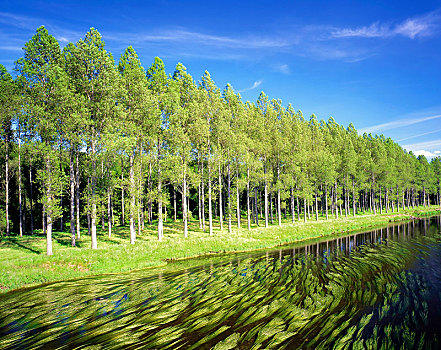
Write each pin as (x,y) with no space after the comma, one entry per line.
(88,142)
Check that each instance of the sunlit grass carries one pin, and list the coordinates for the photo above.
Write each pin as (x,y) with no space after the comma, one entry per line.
(23,261)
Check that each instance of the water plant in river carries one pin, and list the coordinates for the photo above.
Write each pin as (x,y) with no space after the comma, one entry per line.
(376,290)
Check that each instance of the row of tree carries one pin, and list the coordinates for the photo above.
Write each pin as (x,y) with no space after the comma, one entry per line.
(87,140)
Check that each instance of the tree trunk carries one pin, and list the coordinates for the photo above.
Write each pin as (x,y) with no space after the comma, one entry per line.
(256,211)
(49,209)
(77,195)
(149,184)
(271,207)
(31,197)
(220,198)
(132,199)
(316,205)
(7,184)
(292,205)
(123,219)
(210,204)
(19,189)
(326,201)
(160,223)
(184,204)
(398,200)
(93,219)
(380,201)
(237,197)
(266,194)
(202,196)
(109,211)
(175,217)
(304,210)
(335,200)
(88,208)
(72,195)
(248,199)
(279,208)
(229,196)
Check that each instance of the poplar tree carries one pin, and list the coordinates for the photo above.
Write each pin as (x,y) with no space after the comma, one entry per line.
(8,109)
(94,77)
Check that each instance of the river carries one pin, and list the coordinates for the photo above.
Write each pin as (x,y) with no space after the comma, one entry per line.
(379,289)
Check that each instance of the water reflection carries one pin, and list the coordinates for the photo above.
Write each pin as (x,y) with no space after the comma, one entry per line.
(379,289)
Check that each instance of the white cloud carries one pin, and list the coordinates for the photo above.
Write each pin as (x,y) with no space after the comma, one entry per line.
(424,153)
(411,28)
(186,36)
(375,30)
(255,85)
(437,152)
(423,145)
(396,124)
(282,68)
(419,135)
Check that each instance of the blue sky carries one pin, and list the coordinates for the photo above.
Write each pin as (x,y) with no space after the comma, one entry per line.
(376,64)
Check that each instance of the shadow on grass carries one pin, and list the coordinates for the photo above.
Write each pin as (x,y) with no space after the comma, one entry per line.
(19,244)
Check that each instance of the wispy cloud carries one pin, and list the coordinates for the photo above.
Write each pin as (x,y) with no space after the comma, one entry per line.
(431,145)
(411,28)
(397,124)
(282,68)
(419,135)
(186,36)
(255,85)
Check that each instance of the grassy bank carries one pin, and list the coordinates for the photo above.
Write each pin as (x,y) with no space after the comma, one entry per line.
(23,261)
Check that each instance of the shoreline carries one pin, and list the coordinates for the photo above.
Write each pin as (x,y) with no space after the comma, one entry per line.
(23,263)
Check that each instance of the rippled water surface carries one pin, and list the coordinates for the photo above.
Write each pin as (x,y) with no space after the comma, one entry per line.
(380,290)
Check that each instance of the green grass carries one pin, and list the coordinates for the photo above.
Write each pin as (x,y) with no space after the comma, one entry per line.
(23,260)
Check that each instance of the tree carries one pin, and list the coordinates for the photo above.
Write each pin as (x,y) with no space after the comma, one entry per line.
(45,84)
(8,109)
(94,77)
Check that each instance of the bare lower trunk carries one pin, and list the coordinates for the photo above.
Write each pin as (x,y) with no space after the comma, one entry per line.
(210,204)
(304,210)
(31,197)
(132,200)
(49,199)
(72,196)
(237,198)
(7,185)
(174,205)
(292,205)
(150,204)
(316,205)
(229,197)
(203,198)
(279,208)
(123,219)
(109,212)
(184,205)
(77,195)
(19,190)
(93,218)
(326,202)
(220,199)
(266,196)
(353,198)
(248,200)
(381,204)
(256,211)
(160,222)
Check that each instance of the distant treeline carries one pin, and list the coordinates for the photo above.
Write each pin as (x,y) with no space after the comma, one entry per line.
(91,142)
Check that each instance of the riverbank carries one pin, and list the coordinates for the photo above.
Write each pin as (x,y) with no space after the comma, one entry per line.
(23,261)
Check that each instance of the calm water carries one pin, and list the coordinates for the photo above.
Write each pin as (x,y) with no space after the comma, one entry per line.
(380,290)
